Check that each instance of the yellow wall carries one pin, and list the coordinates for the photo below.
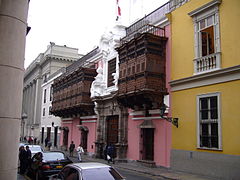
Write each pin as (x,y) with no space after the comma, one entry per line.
(183,36)
(185,108)
(230,36)
(184,102)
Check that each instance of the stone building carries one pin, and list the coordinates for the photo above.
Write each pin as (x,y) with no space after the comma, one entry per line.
(35,77)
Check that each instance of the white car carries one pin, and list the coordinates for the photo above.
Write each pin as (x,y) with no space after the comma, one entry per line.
(34,149)
(87,171)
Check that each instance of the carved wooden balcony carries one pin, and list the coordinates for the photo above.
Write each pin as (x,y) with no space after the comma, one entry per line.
(142,71)
(71,94)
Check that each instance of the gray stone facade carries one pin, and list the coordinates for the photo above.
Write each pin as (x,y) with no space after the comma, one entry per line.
(107,106)
(45,65)
(205,163)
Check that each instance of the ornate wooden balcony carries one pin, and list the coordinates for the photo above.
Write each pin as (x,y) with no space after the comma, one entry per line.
(71,93)
(142,71)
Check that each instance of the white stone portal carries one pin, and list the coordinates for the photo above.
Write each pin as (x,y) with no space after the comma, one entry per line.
(108,42)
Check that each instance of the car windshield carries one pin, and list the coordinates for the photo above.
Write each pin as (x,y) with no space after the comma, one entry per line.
(101,174)
(53,156)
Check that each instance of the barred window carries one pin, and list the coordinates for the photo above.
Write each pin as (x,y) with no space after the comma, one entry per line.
(209,131)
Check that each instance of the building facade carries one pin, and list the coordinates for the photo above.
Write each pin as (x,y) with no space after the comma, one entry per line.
(38,72)
(127,93)
(205,83)
(49,123)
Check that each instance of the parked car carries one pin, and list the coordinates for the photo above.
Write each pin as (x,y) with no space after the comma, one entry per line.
(51,163)
(87,171)
(34,149)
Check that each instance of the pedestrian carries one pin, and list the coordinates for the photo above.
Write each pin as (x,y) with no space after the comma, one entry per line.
(49,144)
(23,159)
(36,163)
(111,153)
(105,152)
(25,139)
(80,151)
(46,141)
(29,157)
(71,149)
(35,140)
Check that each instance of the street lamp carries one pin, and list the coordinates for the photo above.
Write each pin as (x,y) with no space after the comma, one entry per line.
(24,116)
(174,121)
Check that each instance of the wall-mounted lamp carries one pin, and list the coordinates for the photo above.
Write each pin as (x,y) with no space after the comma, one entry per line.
(174,121)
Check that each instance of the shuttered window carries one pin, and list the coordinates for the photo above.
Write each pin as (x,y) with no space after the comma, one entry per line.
(111,70)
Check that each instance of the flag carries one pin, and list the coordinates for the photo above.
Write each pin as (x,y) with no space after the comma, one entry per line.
(118,10)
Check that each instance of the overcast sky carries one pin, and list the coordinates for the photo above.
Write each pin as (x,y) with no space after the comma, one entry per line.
(77,23)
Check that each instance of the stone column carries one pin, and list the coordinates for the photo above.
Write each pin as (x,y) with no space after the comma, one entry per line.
(13,26)
(100,141)
(121,147)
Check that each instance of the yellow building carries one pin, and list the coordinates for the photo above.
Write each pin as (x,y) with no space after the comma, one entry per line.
(205,84)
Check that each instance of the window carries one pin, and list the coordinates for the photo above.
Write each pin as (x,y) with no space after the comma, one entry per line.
(44,95)
(207,37)
(111,70)
(43,111)
(51,93)
(209,121)
(49,110)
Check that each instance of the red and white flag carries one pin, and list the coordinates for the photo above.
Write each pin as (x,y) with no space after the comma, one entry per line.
(118,10)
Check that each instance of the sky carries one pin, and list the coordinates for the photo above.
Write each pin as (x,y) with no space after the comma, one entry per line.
(77,23)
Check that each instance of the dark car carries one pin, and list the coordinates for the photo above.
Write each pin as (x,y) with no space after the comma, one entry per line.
(87,171)
(51,163)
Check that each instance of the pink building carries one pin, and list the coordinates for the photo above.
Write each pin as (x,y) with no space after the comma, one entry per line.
(122,104)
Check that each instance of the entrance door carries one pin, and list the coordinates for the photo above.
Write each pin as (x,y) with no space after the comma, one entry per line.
(147,135)
(49,133)
(84,137)
(112,129)
(42,139)
(55,136)
(65,138)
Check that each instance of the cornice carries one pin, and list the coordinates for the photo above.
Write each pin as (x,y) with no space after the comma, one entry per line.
(204,7)
(204,79)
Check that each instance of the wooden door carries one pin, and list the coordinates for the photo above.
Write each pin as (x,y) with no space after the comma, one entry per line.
(65,138)
(84,137)
(49,133)
(147,144)
(112,129)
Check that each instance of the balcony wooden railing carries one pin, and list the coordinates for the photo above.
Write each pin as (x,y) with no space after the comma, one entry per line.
(147,28)
(151,18)
(142,71)
(71,93)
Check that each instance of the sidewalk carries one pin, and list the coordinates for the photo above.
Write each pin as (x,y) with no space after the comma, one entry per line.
(134,166)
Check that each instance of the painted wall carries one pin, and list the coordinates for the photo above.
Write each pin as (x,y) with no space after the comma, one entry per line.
(162,132)
(75,134)
(162,137)
(183,36)
(133,139)
(229,103)
(91,136)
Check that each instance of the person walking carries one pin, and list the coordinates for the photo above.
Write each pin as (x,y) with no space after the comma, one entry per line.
(46,141)
(71,149)
(23,160)
(80,151)
(49,145)
(111,153)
